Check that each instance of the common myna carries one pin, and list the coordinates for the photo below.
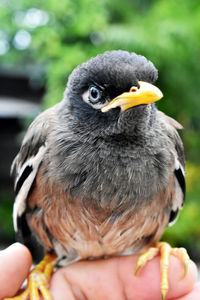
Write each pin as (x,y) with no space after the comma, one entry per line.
(101,173)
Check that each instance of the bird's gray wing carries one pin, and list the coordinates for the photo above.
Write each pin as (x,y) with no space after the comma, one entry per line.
(171,127)
(25,168)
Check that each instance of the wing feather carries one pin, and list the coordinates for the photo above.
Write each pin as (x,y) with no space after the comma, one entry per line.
(26,164)
(179,174)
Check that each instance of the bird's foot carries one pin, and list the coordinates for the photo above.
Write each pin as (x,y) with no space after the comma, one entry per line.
(38,281)
(164,249)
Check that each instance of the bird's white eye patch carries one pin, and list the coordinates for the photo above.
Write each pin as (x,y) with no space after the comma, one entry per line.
(86,96)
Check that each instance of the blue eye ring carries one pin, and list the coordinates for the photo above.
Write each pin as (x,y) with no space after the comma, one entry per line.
(94,94)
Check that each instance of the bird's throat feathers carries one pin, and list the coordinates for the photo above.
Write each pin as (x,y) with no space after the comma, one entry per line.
(137,121)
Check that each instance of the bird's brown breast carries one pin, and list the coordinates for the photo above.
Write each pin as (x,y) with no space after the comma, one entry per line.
(85,226)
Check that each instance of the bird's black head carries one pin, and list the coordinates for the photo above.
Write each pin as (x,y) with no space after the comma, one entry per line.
(96,89)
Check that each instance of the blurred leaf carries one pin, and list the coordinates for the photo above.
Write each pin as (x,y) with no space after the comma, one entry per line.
(6,225)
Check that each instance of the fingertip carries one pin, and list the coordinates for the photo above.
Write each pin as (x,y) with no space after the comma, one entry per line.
(15,263)
(194,295)
(178,283)
(21,249)
(146,284)
(21,254)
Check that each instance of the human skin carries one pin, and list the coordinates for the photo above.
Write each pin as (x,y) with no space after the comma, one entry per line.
(106,279)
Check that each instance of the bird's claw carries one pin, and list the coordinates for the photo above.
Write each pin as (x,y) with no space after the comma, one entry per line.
(38,281)
(148,255)
(182,254)
(165,250)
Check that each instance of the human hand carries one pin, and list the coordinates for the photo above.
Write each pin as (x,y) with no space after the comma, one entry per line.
(110,279)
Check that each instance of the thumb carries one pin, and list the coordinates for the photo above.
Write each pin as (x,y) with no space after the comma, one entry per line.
(15,262)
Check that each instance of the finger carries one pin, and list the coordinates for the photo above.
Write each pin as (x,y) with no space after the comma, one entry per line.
(88,280)
(193,295)
(146,285)
(61,288)
(98,279)
(15,262)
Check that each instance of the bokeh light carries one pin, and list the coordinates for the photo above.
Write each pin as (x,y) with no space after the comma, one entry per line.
(22,40)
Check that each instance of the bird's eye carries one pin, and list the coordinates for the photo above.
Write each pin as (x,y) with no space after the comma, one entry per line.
(94,95)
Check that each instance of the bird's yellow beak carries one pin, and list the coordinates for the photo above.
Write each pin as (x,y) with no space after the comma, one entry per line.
(144,94)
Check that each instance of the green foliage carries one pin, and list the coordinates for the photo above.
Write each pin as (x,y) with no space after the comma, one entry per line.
(167,32)
(6,205)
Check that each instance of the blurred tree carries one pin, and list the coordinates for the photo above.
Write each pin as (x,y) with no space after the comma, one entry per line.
(59,35)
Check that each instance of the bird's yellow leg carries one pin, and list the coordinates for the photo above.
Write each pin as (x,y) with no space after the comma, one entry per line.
(165,250)
(38,280)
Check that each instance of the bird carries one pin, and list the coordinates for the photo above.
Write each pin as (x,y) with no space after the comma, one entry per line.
(101,173)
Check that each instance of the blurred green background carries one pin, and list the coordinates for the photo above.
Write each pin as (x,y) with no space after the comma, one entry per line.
(44,40)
